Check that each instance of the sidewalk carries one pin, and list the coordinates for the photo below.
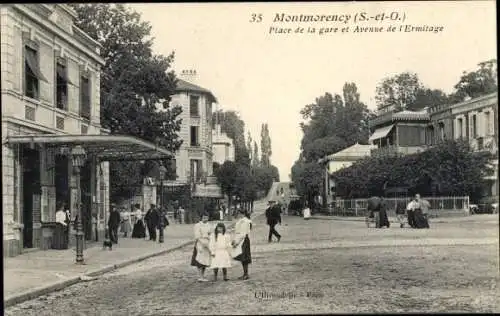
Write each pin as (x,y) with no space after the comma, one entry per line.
(40,272)
(480,218)
(37,273)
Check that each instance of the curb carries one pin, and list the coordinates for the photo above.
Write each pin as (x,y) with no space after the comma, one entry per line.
(59,285)
(361,219)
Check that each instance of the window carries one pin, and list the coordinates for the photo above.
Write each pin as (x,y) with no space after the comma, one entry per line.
(194,107)
(460,126)
(487,123)
(195,170)
(62,82)
(32,73)
(194,136)
(85,97)
(474,126)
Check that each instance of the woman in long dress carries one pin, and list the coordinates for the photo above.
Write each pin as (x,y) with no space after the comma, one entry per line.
(220,249)
(60,240)
(126,224)
(139,230)
(201,253)
(241,243)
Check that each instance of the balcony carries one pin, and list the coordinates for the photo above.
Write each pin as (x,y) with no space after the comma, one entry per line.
(393,150)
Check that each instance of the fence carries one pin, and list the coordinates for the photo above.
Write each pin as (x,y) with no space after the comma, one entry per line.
(440,206)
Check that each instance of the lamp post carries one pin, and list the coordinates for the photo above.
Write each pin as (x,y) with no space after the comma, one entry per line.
(78,157)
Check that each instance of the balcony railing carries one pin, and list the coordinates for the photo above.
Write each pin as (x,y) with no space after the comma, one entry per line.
(393,150)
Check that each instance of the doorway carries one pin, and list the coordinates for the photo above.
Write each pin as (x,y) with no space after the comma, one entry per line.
(31,191)
(62,180)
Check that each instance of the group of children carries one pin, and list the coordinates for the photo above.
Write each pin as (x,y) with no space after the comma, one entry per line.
(215,248)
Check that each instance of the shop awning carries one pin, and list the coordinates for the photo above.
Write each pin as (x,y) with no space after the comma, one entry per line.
(104,147)
(381,132)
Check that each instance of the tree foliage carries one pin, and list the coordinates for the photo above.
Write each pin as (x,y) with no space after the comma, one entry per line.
(332,123)
(405,91)
(482,81)
(234,127)
(255,156)
(132,82)
(449,169)
(265,146)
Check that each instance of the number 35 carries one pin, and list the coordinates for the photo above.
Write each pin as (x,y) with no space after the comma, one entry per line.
(256,18)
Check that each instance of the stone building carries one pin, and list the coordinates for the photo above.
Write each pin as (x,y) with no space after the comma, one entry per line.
(50,77)
(222,146)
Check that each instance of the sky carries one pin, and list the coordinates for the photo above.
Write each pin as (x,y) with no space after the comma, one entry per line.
(269,77)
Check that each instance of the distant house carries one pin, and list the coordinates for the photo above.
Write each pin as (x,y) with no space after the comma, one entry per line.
(340,160)
(222,146)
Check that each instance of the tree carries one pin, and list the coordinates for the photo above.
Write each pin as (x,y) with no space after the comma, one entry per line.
(480,82)
(226,179)
(133,81)
(405,92)
(265,146)
(255,156)
(450,168)
(332,123)
(249,148)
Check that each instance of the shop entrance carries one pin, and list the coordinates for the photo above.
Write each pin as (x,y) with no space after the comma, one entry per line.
(31,191)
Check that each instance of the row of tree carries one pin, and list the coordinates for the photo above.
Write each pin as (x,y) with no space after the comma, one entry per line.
(133,81)
(250,175)
(334,122)
(448,169)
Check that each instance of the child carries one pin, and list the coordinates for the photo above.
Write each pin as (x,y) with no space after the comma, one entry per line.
(220,249)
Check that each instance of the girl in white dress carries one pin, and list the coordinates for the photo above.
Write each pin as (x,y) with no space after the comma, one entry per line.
(201,253)
(220,249)
(241,243)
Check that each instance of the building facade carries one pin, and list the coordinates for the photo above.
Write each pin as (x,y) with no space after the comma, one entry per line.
(407,132)
(50,75)
(194,159)
(222,146)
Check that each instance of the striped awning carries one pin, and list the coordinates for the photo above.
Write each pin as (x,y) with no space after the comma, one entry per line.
(381,132)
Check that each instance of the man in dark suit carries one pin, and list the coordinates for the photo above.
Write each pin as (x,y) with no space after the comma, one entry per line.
(151,219)
(273,215)
(113,224)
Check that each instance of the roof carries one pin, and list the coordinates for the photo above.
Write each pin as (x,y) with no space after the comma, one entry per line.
(104,147)
(381,132)
(355,151)
(184,86)
(402,116)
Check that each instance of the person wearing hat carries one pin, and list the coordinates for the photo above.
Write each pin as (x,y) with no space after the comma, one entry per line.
(273,215)
(201,258)
(114,223)
(241,242)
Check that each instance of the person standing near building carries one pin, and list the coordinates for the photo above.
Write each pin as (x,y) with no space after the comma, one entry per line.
(181,214)
(151,220)
(126,224)
(273,215)
(139,230)
(113,223)
(241,242)
(60,229)
(162,223)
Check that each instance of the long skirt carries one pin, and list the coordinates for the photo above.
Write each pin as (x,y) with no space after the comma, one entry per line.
(245,257)
(60,237)
(420,219)
(139,231)
(383,219)
(125,226)
(194,261)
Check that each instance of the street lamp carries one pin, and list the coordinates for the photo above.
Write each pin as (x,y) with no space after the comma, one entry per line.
(162,171)
(78,157)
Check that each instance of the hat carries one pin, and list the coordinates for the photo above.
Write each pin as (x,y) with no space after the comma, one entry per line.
(271,201)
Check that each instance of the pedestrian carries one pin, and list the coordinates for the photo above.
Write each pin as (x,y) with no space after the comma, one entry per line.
(126,224)
(139,230)
(201,252)
(400,213)
(383,218)
(273,215)
(410,211)
(306,213)
(60,240)
(373,208)
(420,220)
(182,213)
(113,223)
(162,223)
(241,243)
(220,249)
(151,220)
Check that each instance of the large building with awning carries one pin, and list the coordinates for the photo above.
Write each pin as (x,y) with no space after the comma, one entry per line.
(50,106)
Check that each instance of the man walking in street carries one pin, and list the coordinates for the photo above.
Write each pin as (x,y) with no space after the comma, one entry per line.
(273,215)
(114,223)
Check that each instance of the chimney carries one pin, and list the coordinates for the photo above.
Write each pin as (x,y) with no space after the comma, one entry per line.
(188,75)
